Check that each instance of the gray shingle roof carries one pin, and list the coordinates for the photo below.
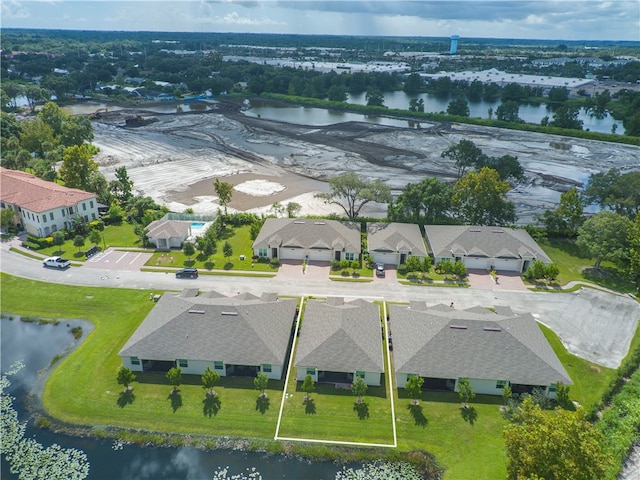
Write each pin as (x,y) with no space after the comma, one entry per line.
(394,237)
(341,337)
(244,331)
(169,229)
(454,344)
(306,233)
(492,242)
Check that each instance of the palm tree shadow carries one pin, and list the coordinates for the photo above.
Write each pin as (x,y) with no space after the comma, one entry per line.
(211,405)
(418,417)
(125,398)
(262,403)
(362,408)
(309,406)
(469,414)
(176,400)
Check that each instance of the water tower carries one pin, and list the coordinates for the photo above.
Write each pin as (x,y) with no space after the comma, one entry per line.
(454,44)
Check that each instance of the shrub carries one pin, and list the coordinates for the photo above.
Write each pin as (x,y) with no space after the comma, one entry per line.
(402,269)
(274,262)
(97,224)
(355,264)
(263,259)
(335,264)
(345,264)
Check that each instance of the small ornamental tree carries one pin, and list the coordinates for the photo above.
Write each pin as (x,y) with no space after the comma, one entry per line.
(562,395)
(260,383)
(125,377)
(78,241)
(227,250)
(506,394)
(465,392)
(188,249)
(95,237)
(413,388)
(58,240)
(209,379)
(307,386)
(358,388)
(174,375)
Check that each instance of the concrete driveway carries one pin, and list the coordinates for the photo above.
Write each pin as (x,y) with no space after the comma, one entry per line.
(506,280)
(118,260)
(292,269)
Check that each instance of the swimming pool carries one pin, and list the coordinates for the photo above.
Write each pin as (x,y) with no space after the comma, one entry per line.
(198,228)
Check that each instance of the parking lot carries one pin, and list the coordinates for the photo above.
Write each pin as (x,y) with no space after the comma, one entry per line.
(118,260)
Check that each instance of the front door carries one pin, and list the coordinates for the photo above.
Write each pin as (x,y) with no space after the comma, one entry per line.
(403,258)
(274,253)
(337,255)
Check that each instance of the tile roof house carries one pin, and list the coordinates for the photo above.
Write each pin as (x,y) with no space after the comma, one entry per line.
(43,207)
(505,249)
(236,336)
(393,243)
(166,234)
(340,339)
(315,240)
(442,345)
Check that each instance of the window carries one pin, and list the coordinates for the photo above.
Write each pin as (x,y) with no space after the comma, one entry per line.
(70,210)
(93,216)
(44,218)
(266,367)
(51,215)
(134,360)
(360,374)
(64,213)
(183,363)
(91,203)
(262,252)
(311,371)
(350,256)
(218,365)
(84,206)
(552,387)
(86,219)
(501,383)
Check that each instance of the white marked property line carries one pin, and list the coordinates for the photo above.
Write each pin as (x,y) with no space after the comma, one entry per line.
(390,373)
(286,381)
(336,442)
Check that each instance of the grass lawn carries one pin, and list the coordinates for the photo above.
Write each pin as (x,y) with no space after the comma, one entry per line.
(240,240)
(574,266)
(589,379)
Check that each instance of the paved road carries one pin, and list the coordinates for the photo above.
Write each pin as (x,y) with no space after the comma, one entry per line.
(595,325)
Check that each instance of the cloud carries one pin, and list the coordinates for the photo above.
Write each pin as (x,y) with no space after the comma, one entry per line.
(234,19)
(12,9)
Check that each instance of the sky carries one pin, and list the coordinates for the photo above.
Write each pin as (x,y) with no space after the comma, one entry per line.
(541,19)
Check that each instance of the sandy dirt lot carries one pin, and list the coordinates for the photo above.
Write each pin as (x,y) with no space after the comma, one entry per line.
(176,158)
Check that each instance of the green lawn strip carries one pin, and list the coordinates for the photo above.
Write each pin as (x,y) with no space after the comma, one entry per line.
(35,256)
(349,279)
(331,415)
(428,284)
(589,379)
(575,266)
(463,449)
(121,235)
(239,273)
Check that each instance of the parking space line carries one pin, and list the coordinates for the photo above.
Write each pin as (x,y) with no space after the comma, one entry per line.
(135,258)
(122,257)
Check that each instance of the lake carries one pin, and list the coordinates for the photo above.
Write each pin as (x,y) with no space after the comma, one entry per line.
(36,345)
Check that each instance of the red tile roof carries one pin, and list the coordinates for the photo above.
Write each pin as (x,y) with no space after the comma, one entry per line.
(28,191)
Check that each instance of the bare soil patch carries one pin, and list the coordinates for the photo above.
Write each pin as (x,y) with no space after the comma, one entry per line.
(175,159)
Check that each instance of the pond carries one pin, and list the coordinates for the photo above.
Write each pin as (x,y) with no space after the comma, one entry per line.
(36,345)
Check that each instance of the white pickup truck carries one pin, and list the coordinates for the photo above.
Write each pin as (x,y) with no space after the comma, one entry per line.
(56,262)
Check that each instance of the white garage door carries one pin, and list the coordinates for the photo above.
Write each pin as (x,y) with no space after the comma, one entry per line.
(292,254)
(320,255)
(385,258)
(476,263)
(507,264)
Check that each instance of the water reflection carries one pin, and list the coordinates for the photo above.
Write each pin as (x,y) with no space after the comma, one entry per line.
(37,345)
